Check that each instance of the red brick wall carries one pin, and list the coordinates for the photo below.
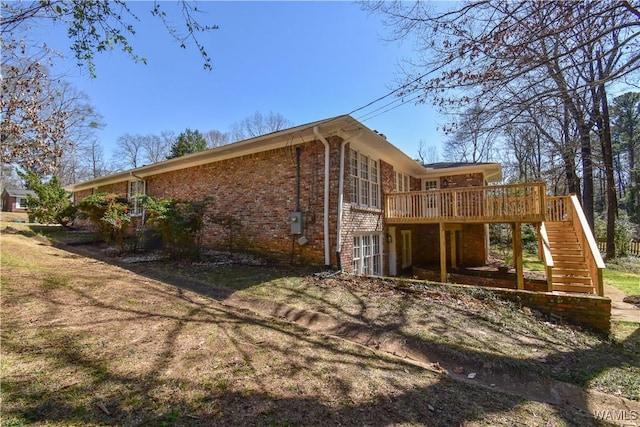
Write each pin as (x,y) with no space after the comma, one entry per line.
(460,181)
(259,190)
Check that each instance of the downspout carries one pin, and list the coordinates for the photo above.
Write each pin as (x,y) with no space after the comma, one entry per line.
(327,256)
(340,198)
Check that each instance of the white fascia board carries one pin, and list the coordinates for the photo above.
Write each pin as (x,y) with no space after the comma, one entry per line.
(293,136)
(492,172)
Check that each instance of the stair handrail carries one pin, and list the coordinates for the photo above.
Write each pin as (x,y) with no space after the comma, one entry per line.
(592,255)
(547,258)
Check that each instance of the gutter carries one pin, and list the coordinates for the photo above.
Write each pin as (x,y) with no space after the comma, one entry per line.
(340,198)
(327,256)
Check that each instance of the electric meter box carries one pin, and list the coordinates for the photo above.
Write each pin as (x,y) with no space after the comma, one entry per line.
(295,218)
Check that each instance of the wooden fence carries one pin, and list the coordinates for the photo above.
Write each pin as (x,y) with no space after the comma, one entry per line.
(633,247)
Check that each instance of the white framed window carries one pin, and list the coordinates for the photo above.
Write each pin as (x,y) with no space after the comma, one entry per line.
(136,192)
(430,184)
(365,180)
(367,254)
(401,182)
(21,202)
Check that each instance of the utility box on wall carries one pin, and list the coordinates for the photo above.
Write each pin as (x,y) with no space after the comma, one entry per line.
(295,218)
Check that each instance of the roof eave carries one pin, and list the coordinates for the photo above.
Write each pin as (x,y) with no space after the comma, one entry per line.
(492,172)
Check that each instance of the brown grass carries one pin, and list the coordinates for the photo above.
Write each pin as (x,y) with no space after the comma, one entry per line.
(88,343)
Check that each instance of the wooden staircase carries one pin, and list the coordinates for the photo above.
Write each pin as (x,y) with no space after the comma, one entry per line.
(570,272)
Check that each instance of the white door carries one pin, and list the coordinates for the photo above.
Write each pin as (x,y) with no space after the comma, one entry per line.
(431,205)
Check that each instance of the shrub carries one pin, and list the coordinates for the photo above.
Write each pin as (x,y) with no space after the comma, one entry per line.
(179,223)
(52,203)
(623,233)
(110,214)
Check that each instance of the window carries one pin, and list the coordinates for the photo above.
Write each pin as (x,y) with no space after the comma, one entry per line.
(367,254)
(365,177)
(401,182)
(21,202)
(431,185)
(136,191)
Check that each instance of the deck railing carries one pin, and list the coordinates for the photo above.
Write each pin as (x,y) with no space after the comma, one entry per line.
(496,203)
(589,246)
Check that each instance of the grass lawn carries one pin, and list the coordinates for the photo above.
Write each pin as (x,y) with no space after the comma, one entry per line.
(136,351)
(89,343)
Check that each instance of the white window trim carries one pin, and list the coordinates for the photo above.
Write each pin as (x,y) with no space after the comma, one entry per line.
(134,197)
(401,182)
(19,204)
(426,184)
(367,254)
(365,187)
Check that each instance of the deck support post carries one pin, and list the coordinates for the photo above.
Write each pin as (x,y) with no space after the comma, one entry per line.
(443,253)
(452,247)
(517,254)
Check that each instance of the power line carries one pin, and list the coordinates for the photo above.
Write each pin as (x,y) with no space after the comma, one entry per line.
(391,93)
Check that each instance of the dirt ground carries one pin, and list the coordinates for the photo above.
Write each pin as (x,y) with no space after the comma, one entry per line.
(85,342)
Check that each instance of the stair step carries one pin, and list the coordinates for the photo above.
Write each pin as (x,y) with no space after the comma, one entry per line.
(571,280)
(572,257)
(569,271)
(565,242)
(575,266)
(573,288)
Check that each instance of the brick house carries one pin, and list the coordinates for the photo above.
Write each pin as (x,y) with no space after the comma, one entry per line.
(15,200)
(314,194)
(338,194)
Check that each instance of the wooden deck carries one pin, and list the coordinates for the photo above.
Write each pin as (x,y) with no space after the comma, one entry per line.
(491,204)
(567,247)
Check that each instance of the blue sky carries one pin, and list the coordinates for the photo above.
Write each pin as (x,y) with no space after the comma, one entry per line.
(304,60)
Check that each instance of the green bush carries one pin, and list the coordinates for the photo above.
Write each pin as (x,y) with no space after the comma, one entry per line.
(110,213)
(178,222)
(51,204)
(622,235)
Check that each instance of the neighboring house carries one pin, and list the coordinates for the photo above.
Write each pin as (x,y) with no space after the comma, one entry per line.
(338,194)
(15,200)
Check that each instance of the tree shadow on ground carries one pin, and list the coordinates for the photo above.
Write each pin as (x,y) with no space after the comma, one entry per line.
(241,390)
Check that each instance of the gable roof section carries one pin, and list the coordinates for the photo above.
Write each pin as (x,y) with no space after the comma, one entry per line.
(12,192)
(344,126)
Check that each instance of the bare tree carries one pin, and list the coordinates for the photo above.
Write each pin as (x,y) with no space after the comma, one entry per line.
(156,148)
(473,138)
(128,154)
(257,125)
(492,50)
(427,153)
(215,138)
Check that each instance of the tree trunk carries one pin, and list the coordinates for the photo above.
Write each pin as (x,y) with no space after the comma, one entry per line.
(607,158)
(587,170)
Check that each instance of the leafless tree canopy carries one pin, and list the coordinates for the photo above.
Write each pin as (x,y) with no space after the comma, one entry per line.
(258,124)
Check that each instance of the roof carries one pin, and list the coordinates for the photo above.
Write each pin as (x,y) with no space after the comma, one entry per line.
(13,192)
(492,171)
(344,126)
